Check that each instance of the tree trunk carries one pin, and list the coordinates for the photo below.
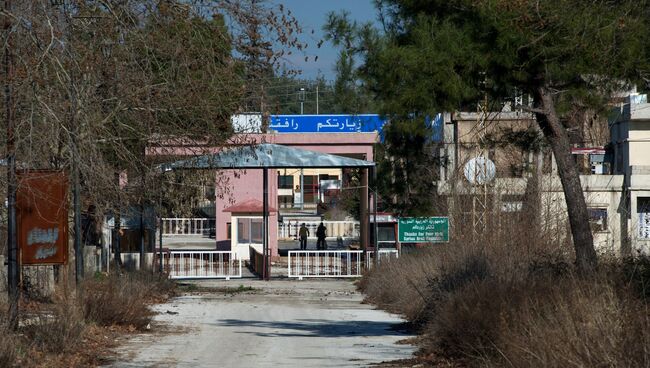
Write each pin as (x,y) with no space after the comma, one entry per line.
(558,138)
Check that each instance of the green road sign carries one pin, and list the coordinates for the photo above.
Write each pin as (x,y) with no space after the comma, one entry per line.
(423,229)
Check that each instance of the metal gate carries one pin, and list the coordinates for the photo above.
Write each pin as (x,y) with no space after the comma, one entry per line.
(325,263)
(199,264)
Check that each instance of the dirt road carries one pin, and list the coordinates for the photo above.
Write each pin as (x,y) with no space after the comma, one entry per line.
(277,324)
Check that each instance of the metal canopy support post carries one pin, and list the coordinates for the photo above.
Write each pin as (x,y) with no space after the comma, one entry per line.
(116,240)
(265,230)
(143,225)
(302,189)
(160,246)
(364,209)
(142,230)
(374,211)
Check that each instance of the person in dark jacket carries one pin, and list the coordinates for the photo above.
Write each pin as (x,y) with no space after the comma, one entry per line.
(321,233)
(303,233)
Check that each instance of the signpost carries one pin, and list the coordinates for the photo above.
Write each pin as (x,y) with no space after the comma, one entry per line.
(423,229)
(42,208)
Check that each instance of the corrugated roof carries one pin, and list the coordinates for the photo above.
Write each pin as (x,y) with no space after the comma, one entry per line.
(266,155)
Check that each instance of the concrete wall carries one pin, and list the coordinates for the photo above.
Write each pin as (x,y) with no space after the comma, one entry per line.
(509,160)
(601,192)
(131,261)
(639,143)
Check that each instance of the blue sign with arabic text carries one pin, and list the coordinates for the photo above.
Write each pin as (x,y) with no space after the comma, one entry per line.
(326,123)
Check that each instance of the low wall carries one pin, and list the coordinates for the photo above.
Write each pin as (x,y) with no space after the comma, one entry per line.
(131,261)
(37,280)
(256,259)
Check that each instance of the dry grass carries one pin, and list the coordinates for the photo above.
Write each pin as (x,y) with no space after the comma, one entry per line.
(9,344)
(70,331)
(509,301)
(124,300)
(58,327)
(573,323)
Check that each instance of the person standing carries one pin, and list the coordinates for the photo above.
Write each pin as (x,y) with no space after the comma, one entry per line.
(321,233)
(303,233)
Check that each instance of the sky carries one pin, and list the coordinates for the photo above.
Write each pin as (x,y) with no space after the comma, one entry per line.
(311,15)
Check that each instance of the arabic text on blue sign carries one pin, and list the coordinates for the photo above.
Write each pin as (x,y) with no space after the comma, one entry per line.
(326,123)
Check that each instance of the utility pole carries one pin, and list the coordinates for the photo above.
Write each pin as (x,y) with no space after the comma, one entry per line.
(301,97)
(12,243)
(76,191)
(317,99)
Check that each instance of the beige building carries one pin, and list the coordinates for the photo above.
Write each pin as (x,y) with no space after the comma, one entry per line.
(318,186)
(616,186)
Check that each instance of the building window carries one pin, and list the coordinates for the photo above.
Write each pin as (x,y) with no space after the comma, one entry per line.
(249,230)
(311,188)
(386,234)
(285,181)
(598,219)
(643,210)
(228,230)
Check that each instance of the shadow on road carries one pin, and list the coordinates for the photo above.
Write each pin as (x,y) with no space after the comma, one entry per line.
(315,327)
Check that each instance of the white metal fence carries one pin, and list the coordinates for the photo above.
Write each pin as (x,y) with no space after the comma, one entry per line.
(383,255)
(202,264)
(325,263)
(343,229)
(187,226)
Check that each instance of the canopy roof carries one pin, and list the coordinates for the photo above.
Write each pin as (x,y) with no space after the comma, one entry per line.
(266,155)
(248,205)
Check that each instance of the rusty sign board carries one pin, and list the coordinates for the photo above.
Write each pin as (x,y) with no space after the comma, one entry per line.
(42,212)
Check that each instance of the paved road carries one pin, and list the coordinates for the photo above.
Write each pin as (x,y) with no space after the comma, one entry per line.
(283,323)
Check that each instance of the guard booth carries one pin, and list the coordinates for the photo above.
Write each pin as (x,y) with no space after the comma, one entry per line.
(386,230)
(247,226)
